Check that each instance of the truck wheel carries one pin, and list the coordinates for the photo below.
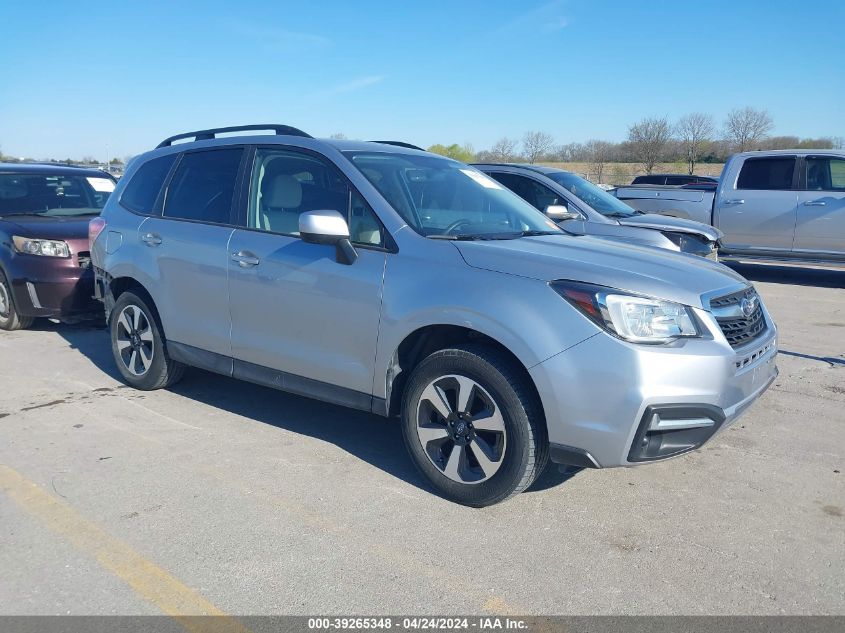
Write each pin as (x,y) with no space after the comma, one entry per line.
(473,426)
(9,317)
(138,346)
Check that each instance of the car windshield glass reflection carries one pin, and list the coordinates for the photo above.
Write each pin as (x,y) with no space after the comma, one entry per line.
(53,195)
(442,198)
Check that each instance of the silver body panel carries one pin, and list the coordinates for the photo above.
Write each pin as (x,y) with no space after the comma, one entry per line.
(646,229)
(300,320)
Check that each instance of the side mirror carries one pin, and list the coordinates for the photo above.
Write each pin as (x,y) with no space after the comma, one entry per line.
(328,227)
(560,213)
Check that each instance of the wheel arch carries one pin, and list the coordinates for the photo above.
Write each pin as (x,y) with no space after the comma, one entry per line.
(425,340)
(117,286)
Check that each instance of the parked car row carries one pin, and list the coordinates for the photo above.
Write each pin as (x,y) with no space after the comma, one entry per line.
(508,315)
(785,205)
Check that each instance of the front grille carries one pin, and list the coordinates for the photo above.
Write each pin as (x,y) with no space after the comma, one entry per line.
(738,328)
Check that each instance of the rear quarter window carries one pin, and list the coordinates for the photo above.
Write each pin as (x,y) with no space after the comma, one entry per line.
(766,174)
(142,190)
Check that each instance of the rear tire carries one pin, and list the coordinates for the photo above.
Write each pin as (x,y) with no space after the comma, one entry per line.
(473,425)
(138,346)
(9,318)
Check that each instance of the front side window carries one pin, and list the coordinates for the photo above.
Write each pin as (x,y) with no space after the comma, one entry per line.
(537,195)
(50,195)
(203,186)
(440,197)
(825,174)
(142,191)
(287,183)
(766,174)
(591,195)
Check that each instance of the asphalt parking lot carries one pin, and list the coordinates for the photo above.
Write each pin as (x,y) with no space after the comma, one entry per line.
(223,497)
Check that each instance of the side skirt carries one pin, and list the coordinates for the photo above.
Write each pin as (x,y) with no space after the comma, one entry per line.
(274,378)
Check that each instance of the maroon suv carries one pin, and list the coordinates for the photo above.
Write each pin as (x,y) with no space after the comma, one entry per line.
(45,267)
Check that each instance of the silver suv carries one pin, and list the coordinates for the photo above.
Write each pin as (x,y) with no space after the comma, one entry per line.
(403,283)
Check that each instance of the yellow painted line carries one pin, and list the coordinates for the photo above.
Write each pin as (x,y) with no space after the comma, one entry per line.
(148,580)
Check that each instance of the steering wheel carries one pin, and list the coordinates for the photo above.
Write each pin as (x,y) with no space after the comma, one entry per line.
(455,225)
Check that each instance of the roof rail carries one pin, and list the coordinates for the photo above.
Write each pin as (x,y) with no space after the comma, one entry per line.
(399,144)
(205,135)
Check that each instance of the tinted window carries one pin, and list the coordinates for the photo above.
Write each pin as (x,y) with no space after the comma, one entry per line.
(680,180)
(766,173)
(825,174)
(593,196)
(203,186)
(48,194)
(287,183)
(142,191)
(530,190)
(649,180)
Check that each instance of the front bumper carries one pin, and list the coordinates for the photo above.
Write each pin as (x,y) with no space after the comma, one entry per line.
(601,396)
(43,287)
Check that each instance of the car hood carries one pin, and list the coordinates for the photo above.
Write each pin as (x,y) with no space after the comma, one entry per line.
(73,230)
(669,223)
(658,273)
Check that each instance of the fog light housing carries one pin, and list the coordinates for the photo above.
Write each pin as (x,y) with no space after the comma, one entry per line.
(669,430)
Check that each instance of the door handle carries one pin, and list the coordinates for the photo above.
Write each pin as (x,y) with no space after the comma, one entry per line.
(151,239)
(815,203)
(245,259)
(734,201)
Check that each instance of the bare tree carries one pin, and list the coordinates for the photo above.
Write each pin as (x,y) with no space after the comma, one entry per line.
(504,149)
(695,132)
(598,153)
(340,136)
(745,127)
(647,140)
(535,144)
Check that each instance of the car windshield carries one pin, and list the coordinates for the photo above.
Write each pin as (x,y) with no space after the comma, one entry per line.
(594,196)
(442,198)
(51,195)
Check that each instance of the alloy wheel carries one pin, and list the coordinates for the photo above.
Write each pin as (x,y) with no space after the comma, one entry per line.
(461,429)
(5,301)
(135,340)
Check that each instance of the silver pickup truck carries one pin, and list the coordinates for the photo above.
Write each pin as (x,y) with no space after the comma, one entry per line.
(785,205)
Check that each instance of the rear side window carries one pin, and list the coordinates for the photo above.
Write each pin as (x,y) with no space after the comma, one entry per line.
(825,174)
(766,174)
(142,191)
(203,186)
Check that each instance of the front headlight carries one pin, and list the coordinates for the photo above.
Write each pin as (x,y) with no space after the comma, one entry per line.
(691,244)
(47,248)
(630,317)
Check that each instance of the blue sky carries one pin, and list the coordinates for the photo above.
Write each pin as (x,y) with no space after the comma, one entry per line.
(79,78)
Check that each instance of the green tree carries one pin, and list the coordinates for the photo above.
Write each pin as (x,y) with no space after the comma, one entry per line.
(464,153)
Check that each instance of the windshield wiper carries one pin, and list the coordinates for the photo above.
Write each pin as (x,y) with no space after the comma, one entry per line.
(536,233)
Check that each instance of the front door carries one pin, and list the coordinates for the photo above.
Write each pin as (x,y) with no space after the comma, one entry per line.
(820,228)
(758,213)
(296,310)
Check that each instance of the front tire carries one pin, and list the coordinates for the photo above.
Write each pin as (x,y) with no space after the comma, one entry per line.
(9,318)
(473,425)
(138,346)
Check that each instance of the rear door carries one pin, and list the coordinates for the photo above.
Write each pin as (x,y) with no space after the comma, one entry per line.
(820,227)
(757,207)
(190,242)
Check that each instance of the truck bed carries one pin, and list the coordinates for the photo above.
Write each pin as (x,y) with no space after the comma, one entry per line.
(674,200)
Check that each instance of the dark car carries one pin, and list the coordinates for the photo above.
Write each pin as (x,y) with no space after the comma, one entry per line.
(672,179)
(45,265)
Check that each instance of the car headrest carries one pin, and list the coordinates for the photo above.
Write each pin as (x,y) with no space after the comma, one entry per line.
(284,192)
